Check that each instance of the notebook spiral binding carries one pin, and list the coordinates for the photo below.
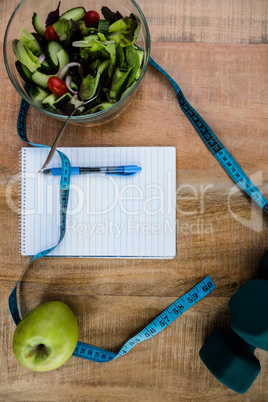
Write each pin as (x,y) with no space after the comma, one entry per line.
(22,204)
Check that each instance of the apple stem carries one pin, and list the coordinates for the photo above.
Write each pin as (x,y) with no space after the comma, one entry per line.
(39,351)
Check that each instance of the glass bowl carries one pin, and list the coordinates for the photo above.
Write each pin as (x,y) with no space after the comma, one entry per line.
(22,18)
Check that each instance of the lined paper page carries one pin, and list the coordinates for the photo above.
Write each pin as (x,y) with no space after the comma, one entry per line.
(108,216)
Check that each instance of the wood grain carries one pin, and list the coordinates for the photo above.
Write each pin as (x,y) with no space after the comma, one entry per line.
(216,52)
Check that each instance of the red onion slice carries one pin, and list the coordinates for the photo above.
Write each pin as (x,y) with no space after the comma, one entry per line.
(41,58)
(66,68)
(68,81)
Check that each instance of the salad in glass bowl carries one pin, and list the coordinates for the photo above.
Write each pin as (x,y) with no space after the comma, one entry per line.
(76,55)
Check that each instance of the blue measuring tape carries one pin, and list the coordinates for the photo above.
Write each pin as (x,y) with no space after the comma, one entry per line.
(176,309)
(64,196)
(214,145)
(203,288)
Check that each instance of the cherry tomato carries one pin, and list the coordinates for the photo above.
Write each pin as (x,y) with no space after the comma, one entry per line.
(51,34)
(91,17)
(57,86)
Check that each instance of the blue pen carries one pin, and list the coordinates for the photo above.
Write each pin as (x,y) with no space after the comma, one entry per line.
(115,170)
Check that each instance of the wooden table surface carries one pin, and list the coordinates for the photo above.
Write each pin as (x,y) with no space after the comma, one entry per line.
(217,51)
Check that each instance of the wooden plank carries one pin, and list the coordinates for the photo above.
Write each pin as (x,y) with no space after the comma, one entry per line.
(224,76)
(207,21)
(199,21)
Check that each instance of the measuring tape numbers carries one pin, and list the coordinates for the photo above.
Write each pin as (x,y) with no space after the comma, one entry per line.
(175,310)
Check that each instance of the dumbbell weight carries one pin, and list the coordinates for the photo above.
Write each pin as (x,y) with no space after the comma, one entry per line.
(229,355)
(231,360)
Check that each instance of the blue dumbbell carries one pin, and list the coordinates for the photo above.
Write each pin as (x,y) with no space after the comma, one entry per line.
(229,355)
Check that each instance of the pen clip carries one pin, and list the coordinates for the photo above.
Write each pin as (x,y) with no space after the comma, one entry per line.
(120,174)
(129,170)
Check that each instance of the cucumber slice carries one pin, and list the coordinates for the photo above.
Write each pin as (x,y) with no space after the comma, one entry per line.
(39,93)
(63,60)
(64,98)
(24,72)
(51,52)
(103,26)
(74,14)
(45,66)
(41,79)
(37,24)
(49,101)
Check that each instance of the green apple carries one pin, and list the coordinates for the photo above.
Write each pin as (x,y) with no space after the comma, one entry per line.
(46,338)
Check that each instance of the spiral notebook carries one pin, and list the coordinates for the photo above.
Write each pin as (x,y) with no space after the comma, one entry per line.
(107,216)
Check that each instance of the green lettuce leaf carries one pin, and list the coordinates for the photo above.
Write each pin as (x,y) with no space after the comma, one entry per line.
(90,84)
(125,31)
(102,37)
(133,58)
(25,56)
(88,41)
(84,30)
(98,108)
(67,30)
(30,42)
(93,49)
(120,56)
(118,82)
(111,49)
